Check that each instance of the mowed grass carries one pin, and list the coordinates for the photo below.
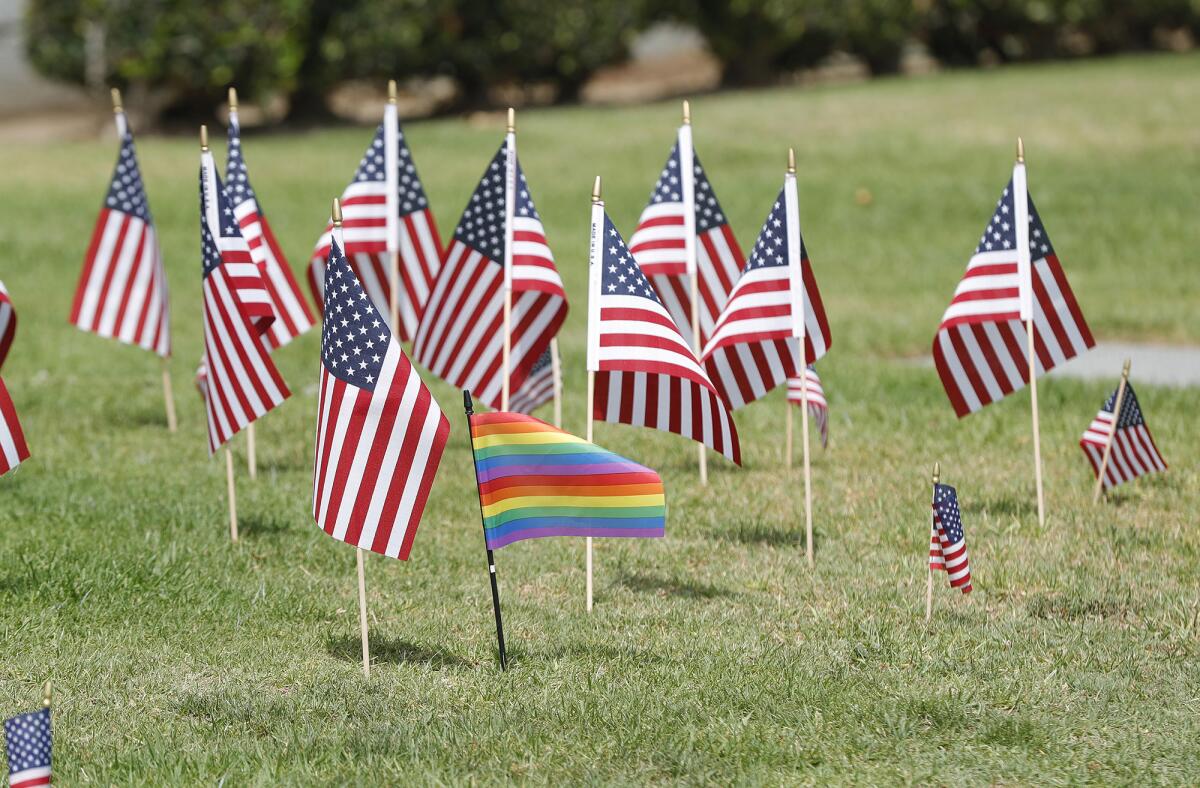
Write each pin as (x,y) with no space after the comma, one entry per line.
(713,655)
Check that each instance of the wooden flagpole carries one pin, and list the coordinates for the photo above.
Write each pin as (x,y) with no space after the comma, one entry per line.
(787,404)
(687,175)
(47,689)
(1021,209)
(937,476)
(593,360)
(1112,432)
(469,407)
(556,374)
(251,451)
(394,257)
(808,520)
(362,614)
(233,528)
(510,177)
(799,307)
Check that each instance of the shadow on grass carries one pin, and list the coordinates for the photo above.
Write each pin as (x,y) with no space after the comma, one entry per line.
(664,586)
(1018,505)
(775,536)
(391,651)
(1074,607)
(581,652)
(255,525)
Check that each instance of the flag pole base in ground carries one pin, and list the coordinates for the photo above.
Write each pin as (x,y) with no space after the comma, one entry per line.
(362,614)
(1037,436)
(469,408)
(233,525)
(251,452)
(169,396)
(808,522)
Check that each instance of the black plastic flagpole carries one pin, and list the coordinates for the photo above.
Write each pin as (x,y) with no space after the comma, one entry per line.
(470,409)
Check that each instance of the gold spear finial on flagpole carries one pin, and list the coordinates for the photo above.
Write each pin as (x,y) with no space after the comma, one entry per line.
(232,99)
(46,693)
(791,161)
(1125,369)
(596,190)
(687,112)
(937,472)
(1020,150)
(203,138)
(337,212)
(512,121)
(391,91)
(116,100)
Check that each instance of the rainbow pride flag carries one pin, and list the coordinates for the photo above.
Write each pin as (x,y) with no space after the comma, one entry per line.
(535,480)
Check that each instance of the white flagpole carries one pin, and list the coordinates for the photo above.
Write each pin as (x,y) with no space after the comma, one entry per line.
(595,255)
(799,329)
(556,374)
(391,162)
(687,180)
(510,193)
(1025,282)
(1112,432)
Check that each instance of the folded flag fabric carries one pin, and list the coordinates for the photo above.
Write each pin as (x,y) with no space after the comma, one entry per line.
(948,542)
(818,408)
(535,480)
(538,388)
(1133,453)
(385,211)
(980,349)
(28,739)
(380,434)
(292,314)
(8,323)
(13,449)
(122,291)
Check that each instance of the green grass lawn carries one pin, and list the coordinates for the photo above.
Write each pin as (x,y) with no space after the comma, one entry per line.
(714,655)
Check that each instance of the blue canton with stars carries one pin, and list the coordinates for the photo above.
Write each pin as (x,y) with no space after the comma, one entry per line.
(1131,412)
(1001,232)
(354,338)
(945,502)
(482,224)
(620,274)
(373,167)
(236,177)
(210,254)
(670,189)
(126,193)
(29,741)
(771,248)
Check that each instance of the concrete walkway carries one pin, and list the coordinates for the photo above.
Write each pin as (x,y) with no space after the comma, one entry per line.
(1158,365)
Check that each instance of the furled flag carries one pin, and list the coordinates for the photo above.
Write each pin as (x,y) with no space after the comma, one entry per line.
(385,213)
(1133,453)
(13,449)
(380,434)
(818,408)
(645,373)
(461,335)
(774,306)
(981,346)
(242,382)
(293,317)
(8,323)
(122,292)
(948,542)
(28,738)
(538,388)
(535,480)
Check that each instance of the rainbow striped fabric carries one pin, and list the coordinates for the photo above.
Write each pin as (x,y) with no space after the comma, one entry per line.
(535,480)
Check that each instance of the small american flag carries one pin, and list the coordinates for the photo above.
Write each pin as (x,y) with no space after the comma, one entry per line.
(538,388)
(818,408)
(948,542)
(646,375)
(28,738)
(13,449)
(293,317)
(242,382)
(460,338)
(8,323)
(380,434)
(385,210)
(122,291)
(980,347)
(759,323)
(1134,452)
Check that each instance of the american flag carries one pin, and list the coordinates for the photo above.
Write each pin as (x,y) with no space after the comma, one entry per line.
(8,323)
(460,338)
(818,408)
(122,292)
(28,738)
(1134,452)
(242,382)
(646,375)
(293,317)
(538,388)
(980,347)
(13,449)
(948,542)
(385,210)
(380,434)
(759,323)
